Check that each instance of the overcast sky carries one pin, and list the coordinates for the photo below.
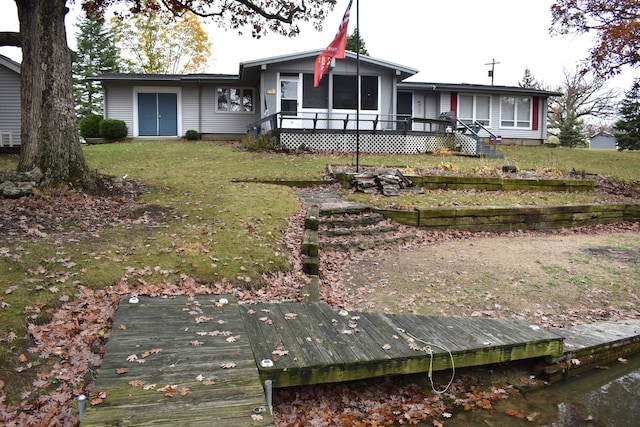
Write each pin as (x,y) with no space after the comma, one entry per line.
(448,41)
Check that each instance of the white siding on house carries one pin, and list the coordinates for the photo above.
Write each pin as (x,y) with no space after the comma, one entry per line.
(9,106)
(222,122)
(119,105)
(190,108)
(425,106)
(512,133)
(445,103)
(387,104)
(342,66)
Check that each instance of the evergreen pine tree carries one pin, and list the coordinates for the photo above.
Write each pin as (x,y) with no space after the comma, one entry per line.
(528,80)
(572,133)
(96,54)
(352,43)
(628,127)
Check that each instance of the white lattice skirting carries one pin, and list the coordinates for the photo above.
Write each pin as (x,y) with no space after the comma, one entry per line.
(379,142)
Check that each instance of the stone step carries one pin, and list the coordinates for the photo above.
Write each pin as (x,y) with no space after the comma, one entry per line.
(370,242)
(335,209)
(378,228)
(350,220)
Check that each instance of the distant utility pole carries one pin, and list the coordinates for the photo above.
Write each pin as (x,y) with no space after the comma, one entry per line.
(493,63)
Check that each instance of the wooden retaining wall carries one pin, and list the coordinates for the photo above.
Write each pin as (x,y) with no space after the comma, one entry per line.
(494,218)
(501,184)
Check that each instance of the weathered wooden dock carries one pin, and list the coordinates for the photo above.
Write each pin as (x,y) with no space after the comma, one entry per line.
(198,367)
(203,361)
(310,343)
(590,345)
(195,361)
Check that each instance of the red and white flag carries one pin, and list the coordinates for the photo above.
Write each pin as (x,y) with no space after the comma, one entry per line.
(334,50)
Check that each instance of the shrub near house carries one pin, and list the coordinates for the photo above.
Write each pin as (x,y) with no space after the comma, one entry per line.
(95,129)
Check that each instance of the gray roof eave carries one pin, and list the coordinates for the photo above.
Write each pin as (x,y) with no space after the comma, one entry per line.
(475,88)
(10,64)
(197,78)
(400,70)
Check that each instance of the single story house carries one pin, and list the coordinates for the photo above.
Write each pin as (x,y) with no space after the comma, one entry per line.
(9,104)
(277,94)
(603,140)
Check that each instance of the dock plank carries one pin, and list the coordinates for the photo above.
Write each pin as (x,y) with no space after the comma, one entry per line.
(371,345)
(601,342)
(193,338)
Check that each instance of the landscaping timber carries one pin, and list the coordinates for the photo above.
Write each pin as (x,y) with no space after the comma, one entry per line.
(486,183)
(498,218)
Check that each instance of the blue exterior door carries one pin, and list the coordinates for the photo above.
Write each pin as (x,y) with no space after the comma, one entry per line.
(157,114)
(167,114)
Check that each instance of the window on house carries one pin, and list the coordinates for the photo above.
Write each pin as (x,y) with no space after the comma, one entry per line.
(515,112)
(345,92)
(472,108)
(315,97)
(234,100)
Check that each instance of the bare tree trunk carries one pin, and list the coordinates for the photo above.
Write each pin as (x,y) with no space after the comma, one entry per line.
(49,134)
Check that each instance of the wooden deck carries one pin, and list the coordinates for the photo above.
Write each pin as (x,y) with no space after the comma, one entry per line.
(189,346)
(310,343)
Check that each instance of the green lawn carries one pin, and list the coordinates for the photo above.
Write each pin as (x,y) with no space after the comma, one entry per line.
(220,230)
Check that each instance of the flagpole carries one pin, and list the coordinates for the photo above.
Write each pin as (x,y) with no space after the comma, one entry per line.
(359,86)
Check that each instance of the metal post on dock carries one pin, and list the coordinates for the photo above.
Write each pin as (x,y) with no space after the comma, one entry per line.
(268,391)
(82,405)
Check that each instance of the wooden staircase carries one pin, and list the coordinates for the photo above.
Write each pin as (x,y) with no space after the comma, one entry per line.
(348,227)
(358,228)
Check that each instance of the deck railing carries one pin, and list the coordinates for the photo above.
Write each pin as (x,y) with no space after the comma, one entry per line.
(323,121)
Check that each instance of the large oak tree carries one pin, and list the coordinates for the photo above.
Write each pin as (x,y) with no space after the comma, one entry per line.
(49,135)
(616,24)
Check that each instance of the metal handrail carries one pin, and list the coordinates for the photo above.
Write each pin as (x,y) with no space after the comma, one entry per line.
(477,124)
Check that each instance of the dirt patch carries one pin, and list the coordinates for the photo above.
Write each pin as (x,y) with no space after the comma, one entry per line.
(554,280)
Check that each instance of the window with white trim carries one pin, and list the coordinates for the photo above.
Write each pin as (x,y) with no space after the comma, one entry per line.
(315,97)
(234,100)
(345,92)
(472,108)
(515,112)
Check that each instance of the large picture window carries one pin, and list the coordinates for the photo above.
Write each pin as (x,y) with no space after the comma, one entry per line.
(234,100)
(315,97)
(515,112)
(345,92)
(472,108)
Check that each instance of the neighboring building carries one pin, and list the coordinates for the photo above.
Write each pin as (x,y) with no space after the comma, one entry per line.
(9,104)
(603,140)
(277,94)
